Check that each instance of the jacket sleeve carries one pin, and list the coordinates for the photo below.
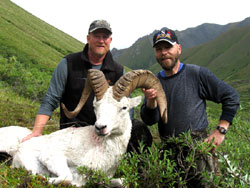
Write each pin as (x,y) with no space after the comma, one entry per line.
(212,88)
(56,88)
(149,116)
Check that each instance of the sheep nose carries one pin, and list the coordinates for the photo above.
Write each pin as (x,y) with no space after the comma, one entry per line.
(100,127)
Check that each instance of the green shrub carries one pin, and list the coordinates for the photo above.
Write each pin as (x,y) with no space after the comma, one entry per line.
(27,81)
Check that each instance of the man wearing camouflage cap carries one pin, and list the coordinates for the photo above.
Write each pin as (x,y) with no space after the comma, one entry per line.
(68,79)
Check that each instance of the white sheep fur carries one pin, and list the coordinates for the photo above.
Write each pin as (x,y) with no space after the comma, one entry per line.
(59,154)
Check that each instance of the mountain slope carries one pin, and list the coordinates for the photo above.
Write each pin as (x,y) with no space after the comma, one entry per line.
(228,56)
(30,49)
(142,56)
(25,35)
(229,51)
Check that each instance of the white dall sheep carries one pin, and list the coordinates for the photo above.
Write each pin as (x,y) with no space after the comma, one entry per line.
(98,147)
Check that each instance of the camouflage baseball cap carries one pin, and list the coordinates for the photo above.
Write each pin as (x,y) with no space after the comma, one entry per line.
(99,24)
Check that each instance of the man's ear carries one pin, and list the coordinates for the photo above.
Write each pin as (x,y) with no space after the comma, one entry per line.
(179,49)
(88,37)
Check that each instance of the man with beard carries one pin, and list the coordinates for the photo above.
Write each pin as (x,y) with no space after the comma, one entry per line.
(187,87)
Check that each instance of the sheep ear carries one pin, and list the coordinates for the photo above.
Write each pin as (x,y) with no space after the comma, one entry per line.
(135,101)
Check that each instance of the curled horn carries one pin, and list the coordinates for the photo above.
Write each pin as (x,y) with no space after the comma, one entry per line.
(96,81)
(141,79)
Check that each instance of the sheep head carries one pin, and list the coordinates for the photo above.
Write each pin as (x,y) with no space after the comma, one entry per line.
(122,88)
(112,116)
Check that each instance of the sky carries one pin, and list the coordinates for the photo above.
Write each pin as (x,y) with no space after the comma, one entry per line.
(132,19)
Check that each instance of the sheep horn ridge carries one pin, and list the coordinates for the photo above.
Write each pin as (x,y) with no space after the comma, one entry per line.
(141,79)
(95,81)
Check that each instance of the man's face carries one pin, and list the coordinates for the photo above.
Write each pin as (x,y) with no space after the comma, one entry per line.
(99,42)
(167,55)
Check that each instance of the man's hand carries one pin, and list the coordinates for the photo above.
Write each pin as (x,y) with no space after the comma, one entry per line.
(216,136)
(31,136)
(150,95)
(40,123)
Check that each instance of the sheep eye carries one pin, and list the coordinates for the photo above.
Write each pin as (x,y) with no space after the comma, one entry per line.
(124,108)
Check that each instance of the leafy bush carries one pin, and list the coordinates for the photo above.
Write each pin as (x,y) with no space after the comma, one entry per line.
(151,169)
(27,81)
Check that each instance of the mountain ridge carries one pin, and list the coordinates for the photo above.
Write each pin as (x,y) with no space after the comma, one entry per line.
(188,38)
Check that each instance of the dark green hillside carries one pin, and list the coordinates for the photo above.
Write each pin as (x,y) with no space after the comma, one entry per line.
(206,32)
(138,56)
(30,49)
(228,56)
(199,35)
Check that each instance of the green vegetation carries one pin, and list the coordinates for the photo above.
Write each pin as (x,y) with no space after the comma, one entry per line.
(155,168)
(30,49)
(24,79)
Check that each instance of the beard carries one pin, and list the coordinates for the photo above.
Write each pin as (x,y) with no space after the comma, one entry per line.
(99,51)
(168,63)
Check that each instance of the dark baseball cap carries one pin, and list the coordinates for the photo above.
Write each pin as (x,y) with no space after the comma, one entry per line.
(167,35)
(99,24)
